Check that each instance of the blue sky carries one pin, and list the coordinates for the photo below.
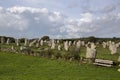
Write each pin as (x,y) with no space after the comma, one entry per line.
(60,18)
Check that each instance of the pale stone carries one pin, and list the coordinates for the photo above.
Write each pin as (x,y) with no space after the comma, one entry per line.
(17,42)
(70,43)
(90,51)
(58,41)
(32,43)
(49,43)
(12,47)
(38,43)
(66,47)
(118,70)
(8,41)
(74,43)
(83,43)
(78,44)
(59,47)
(25,42)
(93,46)
(2,40)
(113,48)
(41,42)
(23,48)
(104,44)
(119,59)
(53,44)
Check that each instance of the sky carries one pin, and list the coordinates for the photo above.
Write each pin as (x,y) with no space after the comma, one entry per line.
(60,18)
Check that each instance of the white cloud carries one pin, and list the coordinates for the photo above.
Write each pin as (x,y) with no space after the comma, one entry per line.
(86,17)
(55,16)
(13,21)
(23,9)
(36,22)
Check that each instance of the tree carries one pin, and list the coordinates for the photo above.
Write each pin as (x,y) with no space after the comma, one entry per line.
(92,39)
(45,38)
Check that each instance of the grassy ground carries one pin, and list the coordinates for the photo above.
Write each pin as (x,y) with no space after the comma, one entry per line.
(22,67)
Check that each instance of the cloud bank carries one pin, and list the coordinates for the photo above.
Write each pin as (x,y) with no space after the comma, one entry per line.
(31,22)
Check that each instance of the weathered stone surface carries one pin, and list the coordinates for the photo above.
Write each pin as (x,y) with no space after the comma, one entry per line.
(66,47)
(113,48)
(32,43)
(53,44)
(8,41)
(26,42)
(2,40)
(17,42)
(59,47)
(118,70)
(119,59)
(90,51)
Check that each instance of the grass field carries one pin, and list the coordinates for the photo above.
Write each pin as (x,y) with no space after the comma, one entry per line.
(23,67)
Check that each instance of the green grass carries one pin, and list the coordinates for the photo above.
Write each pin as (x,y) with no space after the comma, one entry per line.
(22,67)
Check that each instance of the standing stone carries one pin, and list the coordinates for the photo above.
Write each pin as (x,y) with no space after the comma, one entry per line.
(49,43)
(58,41)
(32,43)
(118,45)
(26,42)
(41,42)
(69,43)
(113,48)
(8,41)
(90,52)
(119,59)
(17,42)
(93,46)
(83,43)
(78,44)
(38,43)
(53,44)
(2,40)
(66,47)
(104,44)
(12,48)
(59,47)
(74,43)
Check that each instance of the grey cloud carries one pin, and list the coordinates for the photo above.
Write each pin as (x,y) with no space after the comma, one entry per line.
(36,22)
(109,8)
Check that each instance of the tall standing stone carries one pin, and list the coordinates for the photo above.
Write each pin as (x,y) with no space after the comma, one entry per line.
(66,46)
(26,42)
(41,42)
(119,59)
(17,42)
(78,44)
(83,43)
(104,44)
(8,41)
(90,52)
(38,43)
(32,43)
(2,40)
(113,48)
(59,47)
(53,44)
(70,43)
